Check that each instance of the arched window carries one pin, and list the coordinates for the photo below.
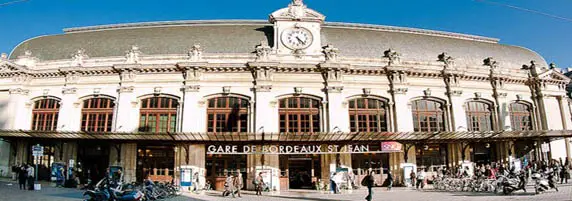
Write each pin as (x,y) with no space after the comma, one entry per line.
(158,114)
(520,117)
(428,116)
(45,114)
(479,116)
(227,114)
(367,115)
(299,115)
(97,115)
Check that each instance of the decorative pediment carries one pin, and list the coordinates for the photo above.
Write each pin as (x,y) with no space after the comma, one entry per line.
(296,10)
(553,74)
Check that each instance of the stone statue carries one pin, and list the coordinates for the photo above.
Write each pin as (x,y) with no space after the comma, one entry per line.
(331,52)
(263,51)
(552,66)
(132,55)
(4,57)
(297,9)
(78,57)
(446,59)
(195,53)
(490,62)
(393,56)
(297,2)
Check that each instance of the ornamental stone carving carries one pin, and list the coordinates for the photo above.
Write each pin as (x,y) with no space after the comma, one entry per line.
(366,91)
(79,57)
(226,90)
(96,91)
(21,78)
(400,90)
(446,59)
(456,92)
(132,55)
(127,89)
(393,56)
(192,88)
(72,77)
(263,51)
(19,91)
(478,95)
(552,66)
(331,53)
(193,73)
(195,53)
(46,92)
(72,90)
(427,92)
(27,59)
(532,69)
(128,75)
(335,89)
(298,90)
(263,88)
(3,57)
(490,62)
(263,73)
(157,90)
(296,9)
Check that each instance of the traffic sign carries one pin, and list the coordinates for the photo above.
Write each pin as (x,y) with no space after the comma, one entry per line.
(37,150)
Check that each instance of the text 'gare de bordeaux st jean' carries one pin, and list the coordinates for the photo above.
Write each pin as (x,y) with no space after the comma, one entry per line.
(290,96)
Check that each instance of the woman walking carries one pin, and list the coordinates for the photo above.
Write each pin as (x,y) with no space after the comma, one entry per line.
(22,177)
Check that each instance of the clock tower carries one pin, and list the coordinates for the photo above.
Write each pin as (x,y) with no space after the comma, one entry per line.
(297,31)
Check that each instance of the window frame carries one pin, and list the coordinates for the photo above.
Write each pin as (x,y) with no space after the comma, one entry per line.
(355,113)
(41,110)
(516,117)
(213,125)
(419,112)
(87,124)
(487,112)
(299,119)
(148,110)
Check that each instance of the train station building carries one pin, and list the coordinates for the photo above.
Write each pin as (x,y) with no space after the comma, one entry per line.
(294,97)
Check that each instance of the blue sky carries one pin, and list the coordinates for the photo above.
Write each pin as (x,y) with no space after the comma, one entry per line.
(550,37)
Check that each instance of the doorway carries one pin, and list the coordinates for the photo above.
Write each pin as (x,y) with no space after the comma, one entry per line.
(93,161)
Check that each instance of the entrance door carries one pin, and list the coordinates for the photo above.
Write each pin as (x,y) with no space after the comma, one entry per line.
(93,161)
(300,173)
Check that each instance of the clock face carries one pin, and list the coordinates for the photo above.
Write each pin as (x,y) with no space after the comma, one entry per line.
(297,38)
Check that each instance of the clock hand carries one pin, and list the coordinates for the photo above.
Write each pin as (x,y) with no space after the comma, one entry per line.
(300,40)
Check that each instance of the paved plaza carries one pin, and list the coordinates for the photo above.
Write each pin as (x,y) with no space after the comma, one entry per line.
(9,191)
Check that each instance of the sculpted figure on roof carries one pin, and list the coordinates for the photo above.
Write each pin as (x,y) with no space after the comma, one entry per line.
(78,57)
(449,61)
(331,52)
(132,55)
(196,53)
(263,51)
(393,56)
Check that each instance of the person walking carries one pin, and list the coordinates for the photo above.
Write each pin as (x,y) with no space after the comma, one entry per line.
(413,178)
(368,181)
(30,177)
(333,184)
(238,183)
(196,182)
(228,186)
(258,181)
(421,178)
(22,176)
(389,180)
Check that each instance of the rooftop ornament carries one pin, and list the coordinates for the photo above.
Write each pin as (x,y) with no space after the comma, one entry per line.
(446,59)
(195,53)
(132,55)
(4,57)
(393,56)
(78,57)
(263,51)
(331,53)
(490,62)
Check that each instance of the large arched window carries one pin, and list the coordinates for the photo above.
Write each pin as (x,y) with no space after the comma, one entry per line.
(158,114)
(367,115)
(45,114)
(299,115)
(227,114)
(479,116)
(97,115)
(520,117)
(428,116)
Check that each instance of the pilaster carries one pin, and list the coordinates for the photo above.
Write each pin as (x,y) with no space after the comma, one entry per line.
(70,111)
(20,108)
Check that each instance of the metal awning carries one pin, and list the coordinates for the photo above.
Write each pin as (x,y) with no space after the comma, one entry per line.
(360,137)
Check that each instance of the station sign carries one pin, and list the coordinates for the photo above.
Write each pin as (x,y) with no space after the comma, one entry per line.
(299,149)
(37,150)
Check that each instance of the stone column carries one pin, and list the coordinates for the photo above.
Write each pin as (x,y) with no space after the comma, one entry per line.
(70,114)
(265,162)
(458,105)
(20,107)
(403,108)
(192,156)
(127,110)
(129,161)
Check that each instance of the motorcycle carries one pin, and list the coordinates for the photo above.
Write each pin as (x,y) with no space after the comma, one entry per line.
(512,183)
(543,183)
(104,192)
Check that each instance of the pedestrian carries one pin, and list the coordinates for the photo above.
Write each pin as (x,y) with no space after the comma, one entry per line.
(333,184)
(30,177)
(421,179)
(368,181)
(389,180)
(228,186)
(238,183)
(413,178)
(196,182)
(258,181)
(22,176)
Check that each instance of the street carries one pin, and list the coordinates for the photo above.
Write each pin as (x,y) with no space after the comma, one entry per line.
(10,191)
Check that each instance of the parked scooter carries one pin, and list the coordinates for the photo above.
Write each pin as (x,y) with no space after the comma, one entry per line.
(103,192)
(544,182)
(512,183)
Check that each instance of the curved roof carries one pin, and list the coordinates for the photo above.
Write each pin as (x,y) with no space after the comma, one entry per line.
(354,40)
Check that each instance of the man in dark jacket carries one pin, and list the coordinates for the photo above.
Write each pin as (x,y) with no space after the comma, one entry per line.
(22,177)
(369,182)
